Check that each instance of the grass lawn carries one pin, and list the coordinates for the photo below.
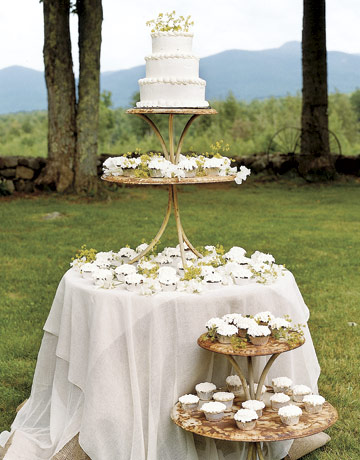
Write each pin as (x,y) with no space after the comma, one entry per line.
(313,230)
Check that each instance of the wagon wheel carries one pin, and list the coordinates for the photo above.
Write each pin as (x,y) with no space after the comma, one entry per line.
(286,140)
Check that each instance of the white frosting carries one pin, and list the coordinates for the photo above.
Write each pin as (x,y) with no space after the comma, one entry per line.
(259,331)
(301,390)
(134,279)
(263,388)
(277,323)
(189,399)
(223,396)
(245,415)
(227,330)
(290,411)
(141,247)
(172,73)
(282,382)
(233,380)
(314,400)
(253,404)
(215,322)
(125,269)
(127,252)
(213,407)
(205,386)
(280,398)
(264,316)
(232,318)
(245,323)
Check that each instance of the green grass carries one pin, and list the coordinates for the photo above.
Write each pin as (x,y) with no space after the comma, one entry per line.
(314,230)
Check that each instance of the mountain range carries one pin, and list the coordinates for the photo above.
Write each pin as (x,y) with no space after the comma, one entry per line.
(248,74)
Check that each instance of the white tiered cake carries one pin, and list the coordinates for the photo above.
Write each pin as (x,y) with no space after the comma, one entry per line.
(172,73)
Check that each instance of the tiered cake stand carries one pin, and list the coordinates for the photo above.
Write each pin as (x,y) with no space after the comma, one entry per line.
(269,427)
(172,154)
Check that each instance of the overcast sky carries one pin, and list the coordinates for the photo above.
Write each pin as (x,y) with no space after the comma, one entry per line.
(219,25)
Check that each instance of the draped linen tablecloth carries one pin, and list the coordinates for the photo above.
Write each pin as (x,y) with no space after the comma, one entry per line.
(112,364)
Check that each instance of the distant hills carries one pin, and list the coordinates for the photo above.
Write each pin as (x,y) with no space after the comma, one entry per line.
(248,74)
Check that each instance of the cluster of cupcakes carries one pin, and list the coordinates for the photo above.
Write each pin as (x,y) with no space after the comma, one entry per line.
(164,271)
(287,399)
(156,166)
(256,328)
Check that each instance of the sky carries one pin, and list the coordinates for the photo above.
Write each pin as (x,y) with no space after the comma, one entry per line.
(219,25)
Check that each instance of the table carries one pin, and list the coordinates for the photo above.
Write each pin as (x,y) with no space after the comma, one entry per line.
(112,364)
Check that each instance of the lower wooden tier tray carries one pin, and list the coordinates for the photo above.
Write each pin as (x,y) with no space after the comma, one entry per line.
(273,346)
(168,181)
(268,428)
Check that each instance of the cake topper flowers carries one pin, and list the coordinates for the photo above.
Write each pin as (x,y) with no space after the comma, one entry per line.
(168,22)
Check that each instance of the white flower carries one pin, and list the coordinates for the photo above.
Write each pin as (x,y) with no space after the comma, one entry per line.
(243,173)
(187,163)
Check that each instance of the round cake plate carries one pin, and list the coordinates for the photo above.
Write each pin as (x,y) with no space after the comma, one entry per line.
(273,346)
(168,181)
(178,110)
(269,427)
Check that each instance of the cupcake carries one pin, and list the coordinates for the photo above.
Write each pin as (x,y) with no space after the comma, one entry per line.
(225,398)
(189,402)
(102,278)
(168,278)
(253,404)
(281,384)
(243,325)
(263,389)
(235,254)
(212,166)
(129,165)
(245,419)
(214,411)
(141,247)
(231,318)
(299,391)
(241,275)
(290,415)
(162,260)
(234,384)
(213,281)
(278,324)
(279,400)
(133,282)
(188,165)
(226,332)
(126,254)
(264,317)
(87,270)
(259,335)
(214,323)
(207,270)
(313,403)
(123,270)
(205,390)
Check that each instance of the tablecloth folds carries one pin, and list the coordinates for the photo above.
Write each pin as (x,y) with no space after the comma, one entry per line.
(112,364)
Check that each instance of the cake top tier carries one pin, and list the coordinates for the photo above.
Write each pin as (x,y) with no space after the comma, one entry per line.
(172,42)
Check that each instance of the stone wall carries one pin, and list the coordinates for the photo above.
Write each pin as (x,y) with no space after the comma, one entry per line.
(19,173)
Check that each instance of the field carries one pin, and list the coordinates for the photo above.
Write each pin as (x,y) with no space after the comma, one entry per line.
(247,127)
(313,230)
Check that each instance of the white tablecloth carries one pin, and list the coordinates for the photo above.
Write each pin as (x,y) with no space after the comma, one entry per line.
(112,364)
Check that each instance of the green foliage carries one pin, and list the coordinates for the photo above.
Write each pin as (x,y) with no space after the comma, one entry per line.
(247,127)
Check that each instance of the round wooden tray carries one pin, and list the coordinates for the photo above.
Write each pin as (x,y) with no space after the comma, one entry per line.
(273,346)
(168,181)
(169,110)
(268,427)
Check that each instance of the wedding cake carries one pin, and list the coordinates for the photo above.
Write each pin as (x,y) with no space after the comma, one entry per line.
(172,73)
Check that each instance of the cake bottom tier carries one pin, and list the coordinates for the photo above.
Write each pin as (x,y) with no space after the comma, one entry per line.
(163,94)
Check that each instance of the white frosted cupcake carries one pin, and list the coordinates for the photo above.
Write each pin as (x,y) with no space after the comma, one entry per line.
(133,282)
(141,247)
(226,332)
(281,384)
(214,411)
(87,270)
(232,318)
(243,325)
(214,323)
(279,400)
(102,278)
(263,389)
(259,335)
(290,415)
(205,390)
(313,403)
(253,404)
(225,398)
(278,324)
(299,391)
(241,275)
(189,402)
(213,281)
(125,254)
(245,419)
(234,384)
(123,270)
(264,317)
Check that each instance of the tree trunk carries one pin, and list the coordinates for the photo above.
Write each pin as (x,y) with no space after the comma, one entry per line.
(314,119)
(60,85)
(87,119)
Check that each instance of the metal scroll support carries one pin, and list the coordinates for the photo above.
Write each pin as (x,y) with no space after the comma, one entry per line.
(173,198)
